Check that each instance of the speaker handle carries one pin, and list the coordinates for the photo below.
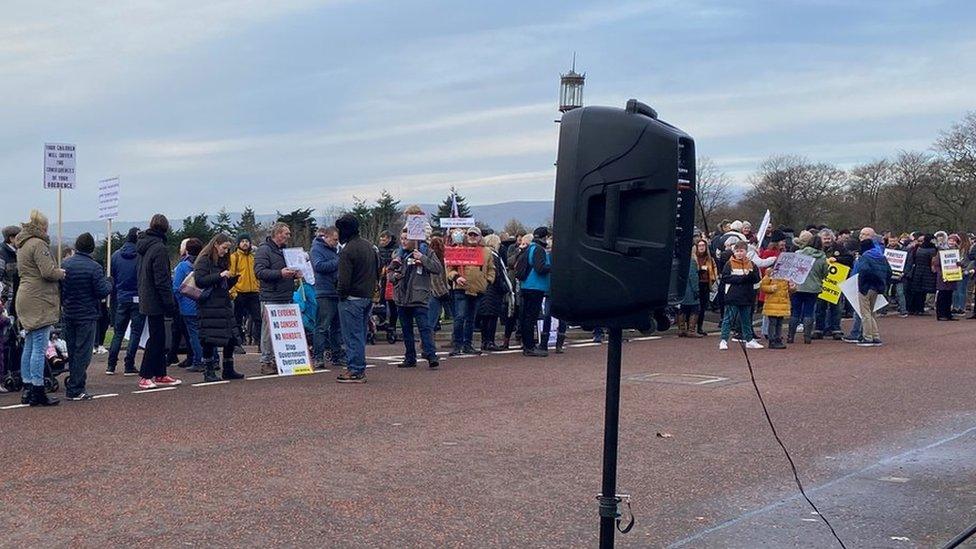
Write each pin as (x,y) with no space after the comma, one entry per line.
(611,218)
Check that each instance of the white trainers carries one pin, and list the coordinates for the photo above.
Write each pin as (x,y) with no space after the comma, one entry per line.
(723,345)
(753,344)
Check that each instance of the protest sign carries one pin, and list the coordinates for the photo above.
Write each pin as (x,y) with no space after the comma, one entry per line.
(896,259)
(417,227)
(457,222)
(297,259)
(288,339)
(59,166)
(108,199)
(793,267)
(836,274)
(951,271)
(762,228)
(464,256)
(852,292)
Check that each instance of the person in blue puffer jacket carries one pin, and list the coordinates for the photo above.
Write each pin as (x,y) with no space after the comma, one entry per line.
(873,274)
(125,305)
(188,307)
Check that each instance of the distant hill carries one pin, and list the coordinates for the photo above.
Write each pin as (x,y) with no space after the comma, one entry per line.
(531,213)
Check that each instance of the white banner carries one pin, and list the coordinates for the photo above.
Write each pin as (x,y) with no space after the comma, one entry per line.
(296,258)
(793,267)
(108,198)
(457,222)
(59,166)
(288,339)
(417,227)
(851,291)
(896,259)
(762,228)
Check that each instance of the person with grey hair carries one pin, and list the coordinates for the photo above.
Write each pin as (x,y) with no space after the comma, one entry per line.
(277,283)
(827,316)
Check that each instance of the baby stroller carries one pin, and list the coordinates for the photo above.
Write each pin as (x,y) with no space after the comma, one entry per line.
(10,376)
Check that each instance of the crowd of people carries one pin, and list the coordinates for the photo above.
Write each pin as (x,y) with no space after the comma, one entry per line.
(731,273)
(213,298)
(214,295)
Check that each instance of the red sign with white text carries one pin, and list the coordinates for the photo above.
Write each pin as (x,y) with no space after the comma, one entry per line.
(463,256)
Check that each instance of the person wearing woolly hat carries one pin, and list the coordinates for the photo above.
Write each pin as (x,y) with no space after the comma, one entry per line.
(82,290)
(356,282)
(246,292)
(125,303)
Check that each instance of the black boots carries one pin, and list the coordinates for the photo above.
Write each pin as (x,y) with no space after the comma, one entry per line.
(209,371)
(560,342)
(808,330)
(39,398)
(229,372)
(791,334)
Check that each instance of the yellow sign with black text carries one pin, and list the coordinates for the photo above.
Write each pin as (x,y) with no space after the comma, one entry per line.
(836,274)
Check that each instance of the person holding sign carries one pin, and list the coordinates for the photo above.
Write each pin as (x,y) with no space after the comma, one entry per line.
(804,300)
(873,273)
(948,272)
(277,284)
(469,283)
(740,277)
(218,326)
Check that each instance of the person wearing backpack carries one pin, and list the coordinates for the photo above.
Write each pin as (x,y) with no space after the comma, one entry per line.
(532,269)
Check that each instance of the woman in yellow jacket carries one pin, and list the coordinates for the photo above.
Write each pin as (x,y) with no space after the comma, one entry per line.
(777,307)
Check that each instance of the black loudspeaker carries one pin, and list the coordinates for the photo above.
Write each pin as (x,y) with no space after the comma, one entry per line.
(624,216)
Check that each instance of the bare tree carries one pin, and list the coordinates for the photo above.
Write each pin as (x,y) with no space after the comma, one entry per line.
(955,191)
(514,227)
(714,188)
(913,176)
(865,191)
(794,190)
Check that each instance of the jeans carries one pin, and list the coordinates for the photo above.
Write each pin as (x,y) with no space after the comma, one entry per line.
(126,313)
(855,328)
(247,305)
(775,329)
(803,305)
(154,357)
(328,332)
(959,295)
(434,310)
(421,315)
(531,308)
(392,313)
(32,358)
(79,335)
(192,324)
(828,316)
(465,309)
(900,297)
(354,320)
(744,314)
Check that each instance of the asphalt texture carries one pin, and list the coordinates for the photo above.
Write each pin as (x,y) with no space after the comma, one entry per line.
(505,451)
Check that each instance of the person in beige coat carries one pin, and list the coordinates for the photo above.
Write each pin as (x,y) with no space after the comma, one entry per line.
(468,285)
(38,303)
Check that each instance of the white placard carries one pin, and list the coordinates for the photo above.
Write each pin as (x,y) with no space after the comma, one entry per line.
(108,198)
(762,228)
(417,227)
(896,259)
(851,291)
(296,258)
(457,222)
(949,259)
(793,267)
(288,339)
(59,166)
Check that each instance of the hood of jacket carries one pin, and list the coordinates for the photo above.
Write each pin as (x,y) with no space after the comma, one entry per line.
(813,252)
(29,231)
(147,239)
(128,251)
(348,229)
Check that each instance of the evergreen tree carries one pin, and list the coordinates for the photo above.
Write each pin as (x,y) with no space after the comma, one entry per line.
(223,223)
(196,226)
(362,212)
(385,215)
(444,210)
(248,224)
(101,251)
(303,226)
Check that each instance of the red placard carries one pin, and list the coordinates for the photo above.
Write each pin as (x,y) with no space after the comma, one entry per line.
(459,256)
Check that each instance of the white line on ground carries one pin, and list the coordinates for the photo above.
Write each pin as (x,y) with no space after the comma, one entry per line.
(106,395)
(322,371)
(209,383)
(156,390)
(591,344)
(646,338)
(508,352)
(14,406)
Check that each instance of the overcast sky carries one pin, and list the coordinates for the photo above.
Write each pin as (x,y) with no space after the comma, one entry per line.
(303,103)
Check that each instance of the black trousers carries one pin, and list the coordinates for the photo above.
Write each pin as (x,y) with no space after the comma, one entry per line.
(704,289)
(178,333)
(489,325)
(104,321)
(248,305)
(210,351)
(916,302)
(154,357)
(943,304)
(531,307)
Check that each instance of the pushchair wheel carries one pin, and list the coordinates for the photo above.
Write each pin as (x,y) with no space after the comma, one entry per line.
(391,337)
(51,384)
(12,383)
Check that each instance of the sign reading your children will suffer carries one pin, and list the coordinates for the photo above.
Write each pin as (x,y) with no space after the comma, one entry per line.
(288,339)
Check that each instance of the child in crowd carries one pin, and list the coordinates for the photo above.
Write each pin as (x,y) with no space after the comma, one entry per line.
(777,307)
(57,353)
(740,277)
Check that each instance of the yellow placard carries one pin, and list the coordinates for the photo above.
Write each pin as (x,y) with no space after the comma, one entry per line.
(836,274)
(952,275)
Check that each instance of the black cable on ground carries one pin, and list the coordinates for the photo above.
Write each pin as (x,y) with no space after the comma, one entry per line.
(796,475)
(958,540)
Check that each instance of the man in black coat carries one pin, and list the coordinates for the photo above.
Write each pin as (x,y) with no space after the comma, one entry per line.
(277,283)
(156,301)
(82,290)
(358,275)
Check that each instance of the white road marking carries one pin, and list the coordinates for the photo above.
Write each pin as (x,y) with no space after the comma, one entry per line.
(590,344)
(507,352)
(106,395)
(646,338)
(899,480)
(15,406)
(156,390)
(209,383)
(321,371)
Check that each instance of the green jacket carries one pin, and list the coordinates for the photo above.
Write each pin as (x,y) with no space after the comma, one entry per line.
(39,295)
(814,282)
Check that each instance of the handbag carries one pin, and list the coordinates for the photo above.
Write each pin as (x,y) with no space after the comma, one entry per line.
(190,289)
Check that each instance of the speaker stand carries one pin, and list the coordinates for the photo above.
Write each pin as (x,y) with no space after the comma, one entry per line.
(608,497)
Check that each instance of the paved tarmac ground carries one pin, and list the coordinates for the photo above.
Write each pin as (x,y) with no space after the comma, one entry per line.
(505,451)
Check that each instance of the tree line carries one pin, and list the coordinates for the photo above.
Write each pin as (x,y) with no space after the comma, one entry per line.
(908,191)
